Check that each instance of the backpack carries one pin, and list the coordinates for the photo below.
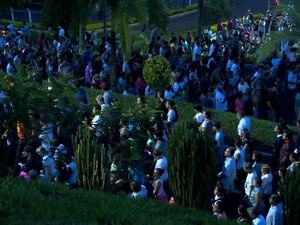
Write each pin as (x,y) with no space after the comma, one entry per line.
(176,115)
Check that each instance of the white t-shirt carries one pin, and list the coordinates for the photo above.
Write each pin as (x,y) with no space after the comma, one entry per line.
(249,181)
(260,220)
(241,161)
(244,123)
(163,164)
(267,183)
(141,194)
(199,117)
(221,102)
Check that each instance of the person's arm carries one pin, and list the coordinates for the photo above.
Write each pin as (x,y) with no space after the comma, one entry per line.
(257,199)
(156,188)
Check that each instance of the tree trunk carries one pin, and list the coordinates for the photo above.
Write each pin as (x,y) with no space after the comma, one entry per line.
(104,17)
(199,17)
(113,74)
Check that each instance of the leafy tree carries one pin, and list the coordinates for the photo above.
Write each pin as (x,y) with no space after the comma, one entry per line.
(71,15)
(5,6)
(213,10)
(121,12)
(24,95)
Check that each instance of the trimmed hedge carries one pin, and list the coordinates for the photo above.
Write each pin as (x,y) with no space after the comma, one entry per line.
(261,130)
(41,203)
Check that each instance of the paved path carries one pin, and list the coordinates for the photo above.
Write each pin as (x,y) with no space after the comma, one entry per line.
(189,19)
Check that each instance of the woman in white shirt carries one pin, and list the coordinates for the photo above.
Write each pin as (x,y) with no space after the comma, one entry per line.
(267,179)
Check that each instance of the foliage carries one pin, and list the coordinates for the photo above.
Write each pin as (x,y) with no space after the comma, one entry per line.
(26,97)
(191,163)
(91,160)
(157,73)
(41,203)
(290,191)
(5,6)
(66,13)
(273,42)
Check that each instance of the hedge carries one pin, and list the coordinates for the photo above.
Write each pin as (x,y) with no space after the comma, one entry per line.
(261,130)
(43,203)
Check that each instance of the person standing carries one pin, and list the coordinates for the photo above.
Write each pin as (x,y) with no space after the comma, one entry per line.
(251,175)
(219,143)
(257,218)
(244,122)
(287,148)
(275,214)
(229,170)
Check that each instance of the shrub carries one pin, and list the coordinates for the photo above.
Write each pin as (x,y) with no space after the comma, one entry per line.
(41,203)
(157,73)
(91,160)
(191,163)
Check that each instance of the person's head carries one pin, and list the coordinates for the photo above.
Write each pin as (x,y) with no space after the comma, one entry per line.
(229,152)
(238,143)
(158,134)
(219,190)
(141,101)
(170,104)
(246,134)
(216,126)
(278,129)
(157,153)
(282,171)
(274,199)
(294,157)
(198,108)
(265,169)
(257,157)
(135,186)
(242,211)
(287,135)
(218,206)
(28,150)
(253,212)
(242,81)
(248,167)
(41,151)
(158,172)
(207,115)
(100,99)
(257,182)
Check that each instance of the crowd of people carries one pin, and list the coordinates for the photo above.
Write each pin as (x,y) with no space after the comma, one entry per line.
(270,91)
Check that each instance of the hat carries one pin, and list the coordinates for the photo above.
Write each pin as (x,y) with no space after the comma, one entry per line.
(217,125)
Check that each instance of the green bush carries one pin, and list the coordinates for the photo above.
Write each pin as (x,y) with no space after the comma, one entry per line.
(41,203)
(290,191)
(261,130)
(157,72)
(191,165)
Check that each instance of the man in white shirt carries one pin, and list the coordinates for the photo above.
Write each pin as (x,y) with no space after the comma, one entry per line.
(251,175)
(229,170)
(275,214)
(196,50)
(244,123)
(244,88)
(257,219)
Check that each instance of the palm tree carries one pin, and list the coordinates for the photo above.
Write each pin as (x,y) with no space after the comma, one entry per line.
(272,43)
(121,12)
